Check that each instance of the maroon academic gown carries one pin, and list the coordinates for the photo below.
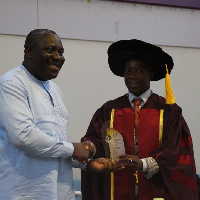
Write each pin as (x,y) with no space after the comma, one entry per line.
(174,154)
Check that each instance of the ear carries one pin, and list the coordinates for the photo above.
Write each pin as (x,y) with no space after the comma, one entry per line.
(28,51)
(152,74)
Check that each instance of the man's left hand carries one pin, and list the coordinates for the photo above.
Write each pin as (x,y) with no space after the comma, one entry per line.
(130,161)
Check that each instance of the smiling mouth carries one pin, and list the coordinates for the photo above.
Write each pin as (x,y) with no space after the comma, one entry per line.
(55,67)
(133,84)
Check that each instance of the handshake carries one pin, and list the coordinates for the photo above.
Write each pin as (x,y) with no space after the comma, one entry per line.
(86,150)
(83,151)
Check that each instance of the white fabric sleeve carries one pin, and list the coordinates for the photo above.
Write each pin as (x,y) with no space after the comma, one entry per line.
(77,164)
(17,122)
(152,167)
(145,169)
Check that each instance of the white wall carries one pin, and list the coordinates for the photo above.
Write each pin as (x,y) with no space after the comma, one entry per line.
(87,81)
(103,20)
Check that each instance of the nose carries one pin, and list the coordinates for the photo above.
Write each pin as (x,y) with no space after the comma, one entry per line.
(132,75)
(58,58)
(56,55)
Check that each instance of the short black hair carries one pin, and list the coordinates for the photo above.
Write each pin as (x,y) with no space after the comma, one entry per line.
(31,38)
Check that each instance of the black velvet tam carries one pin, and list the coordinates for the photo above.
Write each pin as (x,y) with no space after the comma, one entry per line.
(123,50)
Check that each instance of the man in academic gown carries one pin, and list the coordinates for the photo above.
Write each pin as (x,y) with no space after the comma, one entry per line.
(158,161)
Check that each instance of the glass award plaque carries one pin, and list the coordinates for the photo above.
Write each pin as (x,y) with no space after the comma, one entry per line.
(113,142)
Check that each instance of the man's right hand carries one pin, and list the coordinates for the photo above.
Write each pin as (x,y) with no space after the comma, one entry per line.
(103,165)
(80,152)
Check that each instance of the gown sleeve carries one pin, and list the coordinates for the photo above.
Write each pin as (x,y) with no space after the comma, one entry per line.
(176,157)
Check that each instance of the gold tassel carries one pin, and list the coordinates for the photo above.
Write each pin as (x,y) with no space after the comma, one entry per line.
(169,96)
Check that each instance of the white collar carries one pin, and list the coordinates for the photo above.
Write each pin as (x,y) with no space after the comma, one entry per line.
(143,96)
